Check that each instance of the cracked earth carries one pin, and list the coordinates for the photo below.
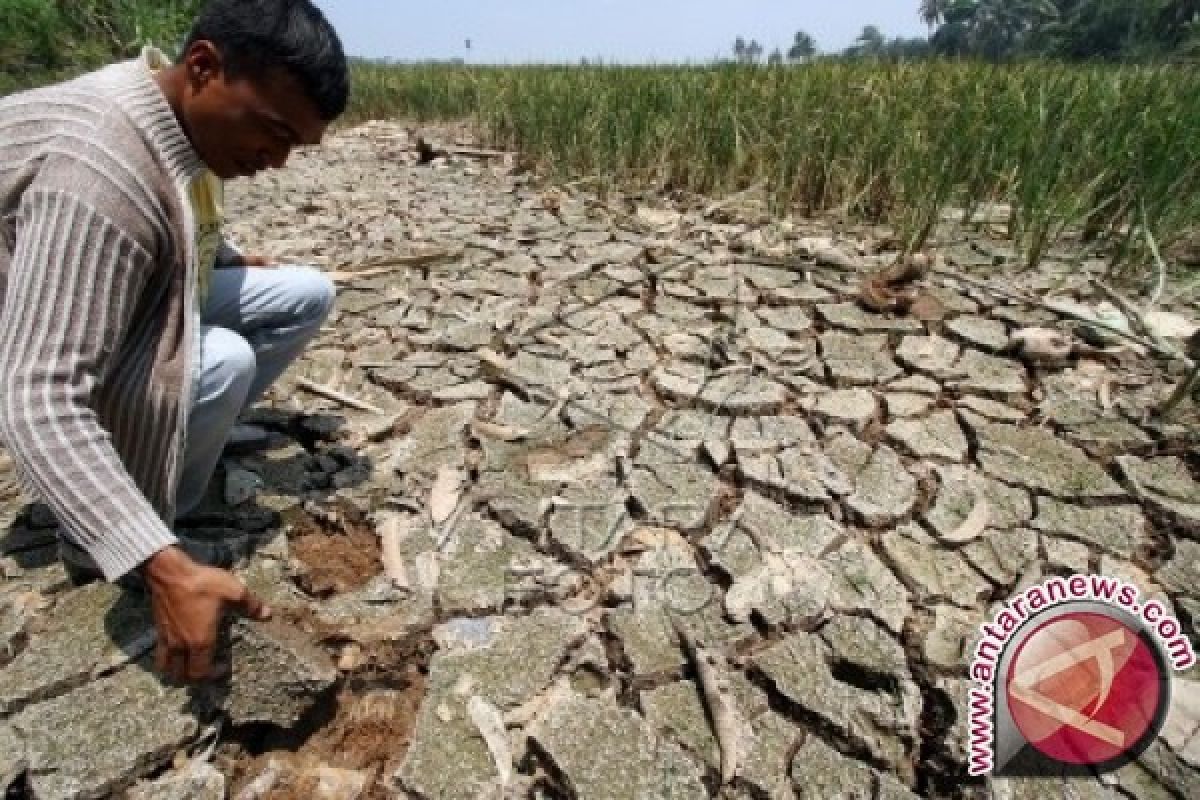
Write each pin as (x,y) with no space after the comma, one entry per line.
(606,491)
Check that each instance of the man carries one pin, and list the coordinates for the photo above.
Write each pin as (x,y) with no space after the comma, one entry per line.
(125,357)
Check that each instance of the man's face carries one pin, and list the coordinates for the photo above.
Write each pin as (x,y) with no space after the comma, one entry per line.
(243,125)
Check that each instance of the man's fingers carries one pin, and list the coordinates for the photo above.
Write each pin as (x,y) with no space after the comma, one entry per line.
(240,597)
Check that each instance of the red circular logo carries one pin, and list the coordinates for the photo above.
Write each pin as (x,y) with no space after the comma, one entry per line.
(1084,688)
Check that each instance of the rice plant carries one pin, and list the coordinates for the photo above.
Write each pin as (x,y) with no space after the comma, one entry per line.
(1109,152)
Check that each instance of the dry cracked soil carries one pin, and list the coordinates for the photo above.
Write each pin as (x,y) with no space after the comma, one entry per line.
(608,491)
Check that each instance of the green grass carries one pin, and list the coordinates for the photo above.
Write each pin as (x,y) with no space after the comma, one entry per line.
(1101,149)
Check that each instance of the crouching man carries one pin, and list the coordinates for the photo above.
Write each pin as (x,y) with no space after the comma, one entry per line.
(131,333)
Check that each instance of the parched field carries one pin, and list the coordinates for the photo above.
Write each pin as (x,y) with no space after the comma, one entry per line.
(553,440)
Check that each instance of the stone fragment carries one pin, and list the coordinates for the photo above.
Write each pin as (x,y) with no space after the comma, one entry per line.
(278,675)
(379,613)
(982,332)
(932,355)
(916,384)
(767,756)
(858,359)
(672,490)
(736,546)
(803,471)
(603,751)
(506,661)
(819,772)
(991,375)
(647,640)
(1181,729)
(786,318)
(862,583)
(881,720)
(1113,529)
(1003,555)
(591,521)
(475,565)
(907,404)
(952,635)
(436,441)
(854,318)
(516,500)
(677,709)
(88,631)
(1037,459)
(856,408)
(884,491)
(99,738)
(690,425)
(194,782)
(992,409)
(1182,573)
(865,645)
(932,572)
(752,434)
(1166,486)
(731,393)
(935,436)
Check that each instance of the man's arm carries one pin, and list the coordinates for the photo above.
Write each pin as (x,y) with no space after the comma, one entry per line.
(74,280)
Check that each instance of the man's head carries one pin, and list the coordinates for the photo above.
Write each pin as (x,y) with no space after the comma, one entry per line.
(257,78)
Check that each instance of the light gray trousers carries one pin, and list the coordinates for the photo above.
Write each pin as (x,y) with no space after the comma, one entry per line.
(255,323)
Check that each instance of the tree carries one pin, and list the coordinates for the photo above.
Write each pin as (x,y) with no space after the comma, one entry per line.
(803,47)
(746,52)
(933,11)
(870,42)
(1068,29)
(776,57)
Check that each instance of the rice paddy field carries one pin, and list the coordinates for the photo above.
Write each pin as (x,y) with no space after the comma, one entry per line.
(1109,154)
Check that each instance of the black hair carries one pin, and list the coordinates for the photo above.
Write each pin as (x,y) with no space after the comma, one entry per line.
(255,36)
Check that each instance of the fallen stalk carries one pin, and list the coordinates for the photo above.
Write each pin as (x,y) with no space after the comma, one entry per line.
(330,393)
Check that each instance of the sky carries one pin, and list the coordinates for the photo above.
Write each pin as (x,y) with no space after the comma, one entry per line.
(628,31)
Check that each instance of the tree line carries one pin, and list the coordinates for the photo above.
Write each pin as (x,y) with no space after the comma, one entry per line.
(1005,30)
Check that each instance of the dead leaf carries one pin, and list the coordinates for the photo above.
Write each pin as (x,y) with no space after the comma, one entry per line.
(1169,325)
(394,530)
(494,430)
(445,494)
(490,723)
(975,524)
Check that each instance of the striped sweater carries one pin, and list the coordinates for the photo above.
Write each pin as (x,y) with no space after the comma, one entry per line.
(98,321)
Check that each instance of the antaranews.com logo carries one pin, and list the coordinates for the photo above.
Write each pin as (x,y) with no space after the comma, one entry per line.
(1072,677)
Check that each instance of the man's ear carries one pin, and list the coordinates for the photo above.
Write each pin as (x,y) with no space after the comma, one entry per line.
(202,63)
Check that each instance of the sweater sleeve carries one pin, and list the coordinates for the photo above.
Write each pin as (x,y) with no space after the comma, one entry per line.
(74,280)
(228,254)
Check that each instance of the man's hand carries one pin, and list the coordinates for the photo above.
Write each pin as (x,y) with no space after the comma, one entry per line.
(187,600)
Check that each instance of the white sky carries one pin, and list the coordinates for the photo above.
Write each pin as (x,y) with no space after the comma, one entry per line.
(631,31)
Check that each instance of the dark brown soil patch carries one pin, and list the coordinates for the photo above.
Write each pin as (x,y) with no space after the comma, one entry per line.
(335,561)
(370,733)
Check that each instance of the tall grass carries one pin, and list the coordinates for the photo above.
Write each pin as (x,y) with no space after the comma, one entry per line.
(1111,151)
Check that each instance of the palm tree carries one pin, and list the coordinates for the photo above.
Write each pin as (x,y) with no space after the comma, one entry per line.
(933,12)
